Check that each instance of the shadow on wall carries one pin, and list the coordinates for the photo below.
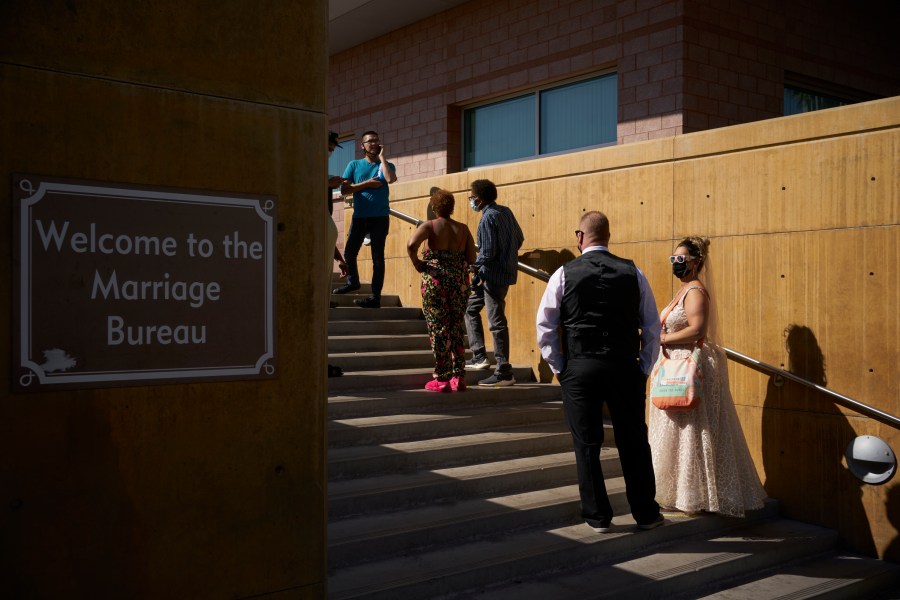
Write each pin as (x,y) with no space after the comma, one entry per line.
(892,509)
(548,261)
(804,437)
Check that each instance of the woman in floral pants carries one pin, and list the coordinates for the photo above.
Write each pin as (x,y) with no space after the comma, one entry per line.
(449,249)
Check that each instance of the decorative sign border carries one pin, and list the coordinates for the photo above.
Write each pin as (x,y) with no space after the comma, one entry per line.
(30,190)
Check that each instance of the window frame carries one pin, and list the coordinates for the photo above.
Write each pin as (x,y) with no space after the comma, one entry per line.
(820,87)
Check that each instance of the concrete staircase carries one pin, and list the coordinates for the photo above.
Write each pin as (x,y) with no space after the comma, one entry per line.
(474,495)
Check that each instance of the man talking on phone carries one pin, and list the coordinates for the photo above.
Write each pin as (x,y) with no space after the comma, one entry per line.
(367,179)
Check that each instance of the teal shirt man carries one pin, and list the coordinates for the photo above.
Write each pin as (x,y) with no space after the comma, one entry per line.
(368,202)
(368,179)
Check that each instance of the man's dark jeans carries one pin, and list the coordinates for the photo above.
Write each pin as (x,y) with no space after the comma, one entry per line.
(377,228)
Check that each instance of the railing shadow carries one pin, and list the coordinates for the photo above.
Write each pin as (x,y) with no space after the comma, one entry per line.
(545,262)
(892,510)
(804,435)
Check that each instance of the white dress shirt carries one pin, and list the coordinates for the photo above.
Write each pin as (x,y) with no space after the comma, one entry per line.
(548,321)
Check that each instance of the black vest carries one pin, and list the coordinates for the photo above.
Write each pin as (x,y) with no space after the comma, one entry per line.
(600,309)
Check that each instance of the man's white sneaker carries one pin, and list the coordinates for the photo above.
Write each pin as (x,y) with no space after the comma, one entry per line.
(477,364)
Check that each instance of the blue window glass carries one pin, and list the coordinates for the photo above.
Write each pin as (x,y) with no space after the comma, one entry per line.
(500,131)
(567,117)
(338,160)
(798,100)
(579,115)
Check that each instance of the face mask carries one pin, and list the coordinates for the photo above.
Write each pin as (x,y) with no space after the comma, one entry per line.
(474,205)
(679,269)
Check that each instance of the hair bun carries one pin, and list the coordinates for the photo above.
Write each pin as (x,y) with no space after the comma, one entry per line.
(696,244)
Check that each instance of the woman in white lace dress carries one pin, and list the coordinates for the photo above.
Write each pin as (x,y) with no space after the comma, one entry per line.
(700,455)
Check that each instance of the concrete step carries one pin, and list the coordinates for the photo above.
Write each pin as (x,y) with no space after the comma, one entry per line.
(346,300)
(401,491)
(364,289)
(390,428)
(378,343)
(393,359)
(385,360)
(376,537)
(682,568)
(370,403)
(445,452)
(410,379)
(376,327)
(385,313)
(532,559)
(836,577)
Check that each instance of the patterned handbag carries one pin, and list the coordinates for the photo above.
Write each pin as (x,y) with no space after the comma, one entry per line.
(676,384)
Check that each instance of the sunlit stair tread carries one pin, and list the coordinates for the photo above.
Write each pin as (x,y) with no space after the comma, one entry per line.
(539,551)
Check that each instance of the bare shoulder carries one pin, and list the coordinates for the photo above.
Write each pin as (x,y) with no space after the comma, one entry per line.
(696,294)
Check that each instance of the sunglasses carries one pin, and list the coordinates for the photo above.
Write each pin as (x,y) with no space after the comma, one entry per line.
(680,258)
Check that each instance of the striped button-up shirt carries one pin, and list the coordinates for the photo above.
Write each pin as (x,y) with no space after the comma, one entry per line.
(499,240)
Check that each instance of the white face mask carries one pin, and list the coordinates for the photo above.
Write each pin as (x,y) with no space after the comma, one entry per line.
(473,204)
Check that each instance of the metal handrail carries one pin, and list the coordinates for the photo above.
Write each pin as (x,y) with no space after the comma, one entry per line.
(845,401)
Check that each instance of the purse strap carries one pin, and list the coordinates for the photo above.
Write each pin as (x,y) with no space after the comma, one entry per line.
(675,301)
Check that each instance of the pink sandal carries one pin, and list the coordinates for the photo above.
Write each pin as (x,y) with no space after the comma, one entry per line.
(437,386)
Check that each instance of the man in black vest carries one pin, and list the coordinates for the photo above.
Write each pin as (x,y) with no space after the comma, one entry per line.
(598,329)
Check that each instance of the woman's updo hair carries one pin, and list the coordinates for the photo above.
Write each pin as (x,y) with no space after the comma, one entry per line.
(443,203)
(697,247)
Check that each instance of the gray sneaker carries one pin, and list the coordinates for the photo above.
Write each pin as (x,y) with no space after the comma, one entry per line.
(496,380)
(477,364)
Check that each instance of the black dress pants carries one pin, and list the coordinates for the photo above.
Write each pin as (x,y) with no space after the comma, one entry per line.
(587,384)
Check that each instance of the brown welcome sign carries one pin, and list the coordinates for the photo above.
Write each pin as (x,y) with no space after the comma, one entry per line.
(126,285)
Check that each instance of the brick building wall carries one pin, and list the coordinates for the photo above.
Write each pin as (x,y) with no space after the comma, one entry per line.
(682,65)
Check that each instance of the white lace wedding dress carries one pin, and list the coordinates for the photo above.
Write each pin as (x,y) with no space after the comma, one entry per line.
(700,456)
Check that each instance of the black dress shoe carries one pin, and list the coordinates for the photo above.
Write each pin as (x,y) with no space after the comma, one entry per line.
(370,302)
(346,288)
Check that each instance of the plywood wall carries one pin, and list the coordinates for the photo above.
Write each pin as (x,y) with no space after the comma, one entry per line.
(804,217)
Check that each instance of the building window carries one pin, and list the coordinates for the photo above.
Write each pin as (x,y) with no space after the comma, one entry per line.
(798,100)
(562,118)
(338,160)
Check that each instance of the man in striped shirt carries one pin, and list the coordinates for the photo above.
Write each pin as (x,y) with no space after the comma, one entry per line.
(495,269)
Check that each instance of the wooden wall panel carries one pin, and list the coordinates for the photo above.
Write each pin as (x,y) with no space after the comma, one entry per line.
(822,124)
(804,217)
(831,183)
(830,294)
